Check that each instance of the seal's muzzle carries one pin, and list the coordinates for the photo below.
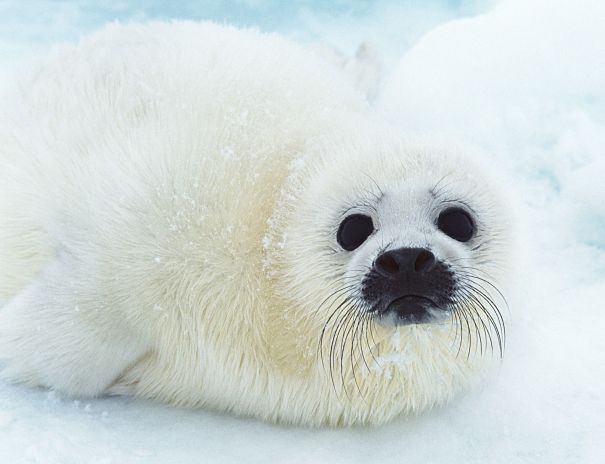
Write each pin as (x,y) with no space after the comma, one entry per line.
(408,286)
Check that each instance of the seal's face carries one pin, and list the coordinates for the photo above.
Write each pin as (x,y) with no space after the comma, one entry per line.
(407,285)
(395,247)
(409,241)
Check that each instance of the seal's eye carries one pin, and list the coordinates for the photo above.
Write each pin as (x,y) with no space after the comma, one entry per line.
(456,223)
(354,230)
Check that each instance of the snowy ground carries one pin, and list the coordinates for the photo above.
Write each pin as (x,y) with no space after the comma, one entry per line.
(523,81)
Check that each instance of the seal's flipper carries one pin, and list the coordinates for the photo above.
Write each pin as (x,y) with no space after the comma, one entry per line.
(53,335)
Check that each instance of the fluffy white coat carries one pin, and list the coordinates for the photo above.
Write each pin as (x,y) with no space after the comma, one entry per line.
(169,199)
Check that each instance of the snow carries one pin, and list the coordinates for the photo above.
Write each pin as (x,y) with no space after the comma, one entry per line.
(521,81)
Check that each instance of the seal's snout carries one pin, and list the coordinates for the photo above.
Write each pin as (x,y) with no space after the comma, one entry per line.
(408,285)
(394,263)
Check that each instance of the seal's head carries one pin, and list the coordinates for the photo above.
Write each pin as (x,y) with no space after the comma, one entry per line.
(389,258)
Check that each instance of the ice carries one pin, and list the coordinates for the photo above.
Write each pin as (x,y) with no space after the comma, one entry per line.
(524,83)
(5,419)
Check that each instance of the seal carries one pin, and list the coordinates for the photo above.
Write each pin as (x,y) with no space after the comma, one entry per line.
(214,217)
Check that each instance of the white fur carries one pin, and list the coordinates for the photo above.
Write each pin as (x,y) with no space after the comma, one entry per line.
(169,199)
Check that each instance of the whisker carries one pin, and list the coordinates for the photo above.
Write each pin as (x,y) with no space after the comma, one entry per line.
(470,293)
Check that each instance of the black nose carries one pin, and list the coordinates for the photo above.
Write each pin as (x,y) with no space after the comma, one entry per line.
(404,260)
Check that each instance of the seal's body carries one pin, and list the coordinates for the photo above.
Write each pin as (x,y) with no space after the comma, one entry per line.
(211,217)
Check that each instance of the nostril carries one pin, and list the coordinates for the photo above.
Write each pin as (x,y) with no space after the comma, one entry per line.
(424,261)
(386,264)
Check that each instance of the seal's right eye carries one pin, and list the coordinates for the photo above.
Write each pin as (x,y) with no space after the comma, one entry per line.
(354,230)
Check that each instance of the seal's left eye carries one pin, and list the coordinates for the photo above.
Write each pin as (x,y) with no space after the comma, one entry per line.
(456,223)
(354,230)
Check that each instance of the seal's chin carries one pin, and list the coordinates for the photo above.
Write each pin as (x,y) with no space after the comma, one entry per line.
(411,309)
